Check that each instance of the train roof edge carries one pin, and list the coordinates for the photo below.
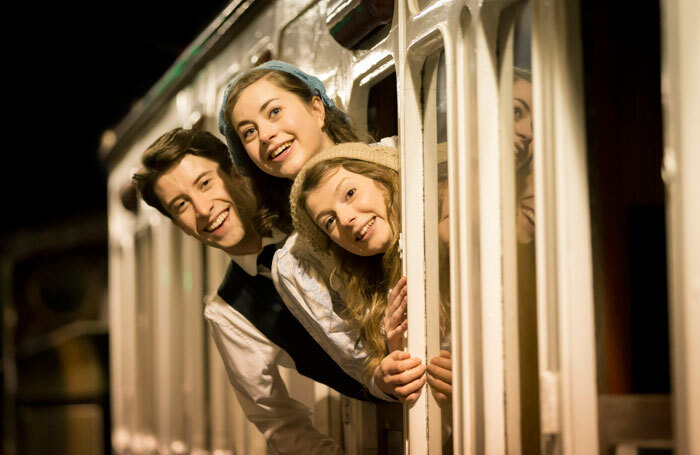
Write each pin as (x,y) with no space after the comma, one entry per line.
(192,59)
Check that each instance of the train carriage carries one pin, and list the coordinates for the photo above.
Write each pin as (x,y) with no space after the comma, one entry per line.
(531,325)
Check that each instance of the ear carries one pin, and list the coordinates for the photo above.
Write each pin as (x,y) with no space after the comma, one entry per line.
(318,110)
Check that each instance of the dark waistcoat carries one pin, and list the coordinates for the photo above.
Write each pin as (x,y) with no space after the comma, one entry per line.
(256,298)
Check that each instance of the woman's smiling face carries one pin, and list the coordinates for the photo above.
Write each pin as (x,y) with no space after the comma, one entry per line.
(278,130)
(522,117)
(351,209)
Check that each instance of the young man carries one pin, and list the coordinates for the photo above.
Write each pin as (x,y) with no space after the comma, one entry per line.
(188,176)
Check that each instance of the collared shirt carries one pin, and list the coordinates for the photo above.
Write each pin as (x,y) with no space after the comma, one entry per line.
(248,262)
(251,362)
(301,276)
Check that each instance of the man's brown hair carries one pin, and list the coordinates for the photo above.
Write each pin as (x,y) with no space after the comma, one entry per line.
(168,150)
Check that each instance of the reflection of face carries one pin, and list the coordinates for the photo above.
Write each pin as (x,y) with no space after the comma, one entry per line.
(351,210)
(444,215)
(525,214)
(278,130)
(198,196)
(522,117)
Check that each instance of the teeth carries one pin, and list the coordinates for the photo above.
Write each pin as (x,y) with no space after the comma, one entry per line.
(365,229)
(217,222)
(275,153)
(529,213)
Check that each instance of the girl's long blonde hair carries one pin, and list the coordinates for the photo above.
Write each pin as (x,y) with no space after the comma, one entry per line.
(367,280)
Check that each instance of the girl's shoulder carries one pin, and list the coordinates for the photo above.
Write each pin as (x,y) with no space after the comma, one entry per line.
(299,263)
(297,255)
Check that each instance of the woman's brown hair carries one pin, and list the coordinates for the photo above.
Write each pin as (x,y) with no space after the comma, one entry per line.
(273,192)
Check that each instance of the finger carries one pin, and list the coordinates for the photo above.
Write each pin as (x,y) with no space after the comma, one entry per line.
(440,385)
(392,364)
(440,397)
(407,376)
(398,355)
(397,288)
(411,398)
(394,370)
(399,312)
(411,387)
(440,373)
(394,302)
(441,362)
(445,354)
(410,363)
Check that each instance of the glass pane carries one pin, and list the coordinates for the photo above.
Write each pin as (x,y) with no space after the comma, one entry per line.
(523,142)
(382,122)
(440,363)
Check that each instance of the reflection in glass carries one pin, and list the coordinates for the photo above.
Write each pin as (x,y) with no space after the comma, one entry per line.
(441,365)
(523,142)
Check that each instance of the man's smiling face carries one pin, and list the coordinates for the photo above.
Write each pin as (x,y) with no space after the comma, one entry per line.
(199,197)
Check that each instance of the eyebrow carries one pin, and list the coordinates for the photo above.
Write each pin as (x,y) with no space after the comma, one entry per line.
(262,108)
(335,194)
(524,103)
(199,177)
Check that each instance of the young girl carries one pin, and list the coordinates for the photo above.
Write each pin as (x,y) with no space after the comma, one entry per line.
(275,118)
(346,201)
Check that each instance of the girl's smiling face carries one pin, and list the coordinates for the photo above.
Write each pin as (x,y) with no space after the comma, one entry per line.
(351,209)
(278,130)
(522,117)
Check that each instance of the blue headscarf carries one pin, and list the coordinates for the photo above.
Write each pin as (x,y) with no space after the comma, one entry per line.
(241,160)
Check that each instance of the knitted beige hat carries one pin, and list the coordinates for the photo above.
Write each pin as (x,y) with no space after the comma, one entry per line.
(379,154)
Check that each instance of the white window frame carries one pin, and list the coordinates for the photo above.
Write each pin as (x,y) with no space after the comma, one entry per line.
(681,173)
(565,298)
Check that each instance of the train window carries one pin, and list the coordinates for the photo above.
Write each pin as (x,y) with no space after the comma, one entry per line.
(144,440)
(382,122)
(434,100)
(520,297)
(525,215)
(628,224)
(382,109)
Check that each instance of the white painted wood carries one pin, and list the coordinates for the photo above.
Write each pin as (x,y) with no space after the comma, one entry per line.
(491,318)
(410,129)
(564,271)
(464,243)
(681,172)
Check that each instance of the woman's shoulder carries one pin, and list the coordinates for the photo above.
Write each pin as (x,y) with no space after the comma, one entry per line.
(297,261)
(298,252)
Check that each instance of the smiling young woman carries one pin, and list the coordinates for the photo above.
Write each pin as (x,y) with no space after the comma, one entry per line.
(275,117)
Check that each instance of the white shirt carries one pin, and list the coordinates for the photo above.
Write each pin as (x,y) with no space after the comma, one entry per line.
(251,362)
(316,303)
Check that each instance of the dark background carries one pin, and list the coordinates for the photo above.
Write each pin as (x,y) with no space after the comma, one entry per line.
(76,71)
